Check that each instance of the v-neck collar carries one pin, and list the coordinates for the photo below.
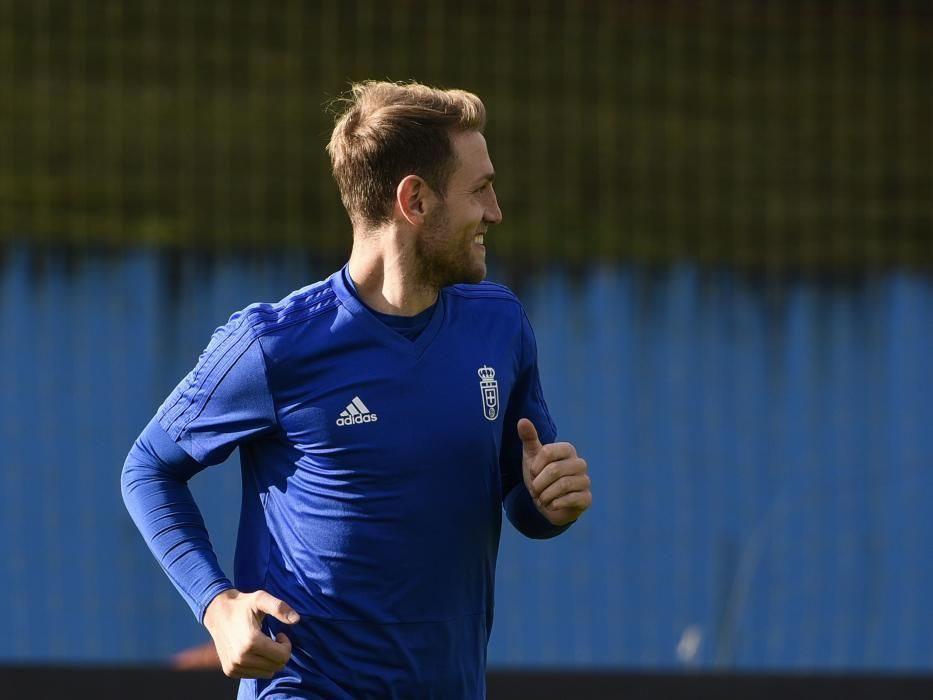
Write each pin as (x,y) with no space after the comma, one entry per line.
(390,336)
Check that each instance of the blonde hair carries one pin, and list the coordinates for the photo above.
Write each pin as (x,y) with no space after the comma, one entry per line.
(388,131)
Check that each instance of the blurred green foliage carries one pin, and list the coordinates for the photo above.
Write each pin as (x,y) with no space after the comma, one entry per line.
(779,133)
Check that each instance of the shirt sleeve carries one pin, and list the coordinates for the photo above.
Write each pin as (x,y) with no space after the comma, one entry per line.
(155,490)
(224,401)
(526,401)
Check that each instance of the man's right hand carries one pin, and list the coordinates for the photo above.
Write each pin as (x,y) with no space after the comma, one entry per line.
(234,620)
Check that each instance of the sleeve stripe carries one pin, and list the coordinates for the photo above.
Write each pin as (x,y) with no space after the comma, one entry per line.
(190,400)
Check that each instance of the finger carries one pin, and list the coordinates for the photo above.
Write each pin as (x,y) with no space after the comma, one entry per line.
(270,605)
(277,651)
(553,452)
(260,659)
(554,471)
(563,486)
(558,450)
(252,659)
(251,672)
(528,434)
(578,500)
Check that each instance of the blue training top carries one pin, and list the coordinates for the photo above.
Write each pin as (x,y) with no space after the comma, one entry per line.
(374,472)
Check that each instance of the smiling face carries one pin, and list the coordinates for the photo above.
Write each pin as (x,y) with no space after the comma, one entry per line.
(450,247)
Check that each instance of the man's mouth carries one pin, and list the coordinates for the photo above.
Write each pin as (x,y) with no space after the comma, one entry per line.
(478,238)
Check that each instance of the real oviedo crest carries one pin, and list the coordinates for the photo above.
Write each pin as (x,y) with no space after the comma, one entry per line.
(490,389)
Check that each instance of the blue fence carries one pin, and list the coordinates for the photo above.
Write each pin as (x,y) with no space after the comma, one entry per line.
(759,451)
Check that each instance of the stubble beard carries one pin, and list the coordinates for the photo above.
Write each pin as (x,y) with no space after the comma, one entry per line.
(443,257)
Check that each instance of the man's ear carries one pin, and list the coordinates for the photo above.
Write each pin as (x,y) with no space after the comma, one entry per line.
(414,199)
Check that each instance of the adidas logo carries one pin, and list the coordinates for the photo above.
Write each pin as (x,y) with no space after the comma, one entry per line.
(356,413)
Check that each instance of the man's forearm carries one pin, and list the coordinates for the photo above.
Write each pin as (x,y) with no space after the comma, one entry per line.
(526,518)
(155,490)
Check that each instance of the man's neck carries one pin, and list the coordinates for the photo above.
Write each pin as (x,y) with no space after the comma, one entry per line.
(385,277)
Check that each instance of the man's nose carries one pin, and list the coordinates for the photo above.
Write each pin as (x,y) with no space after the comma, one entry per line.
(493,212)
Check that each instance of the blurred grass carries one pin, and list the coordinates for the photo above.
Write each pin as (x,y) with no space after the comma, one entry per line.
(783,133)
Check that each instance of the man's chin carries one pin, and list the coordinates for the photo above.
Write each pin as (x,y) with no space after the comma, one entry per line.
(465,275)
(477,275)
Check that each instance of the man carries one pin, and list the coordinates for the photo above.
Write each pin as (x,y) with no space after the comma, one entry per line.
(384,416)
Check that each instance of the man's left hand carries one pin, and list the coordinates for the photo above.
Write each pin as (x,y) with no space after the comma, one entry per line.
(555,476)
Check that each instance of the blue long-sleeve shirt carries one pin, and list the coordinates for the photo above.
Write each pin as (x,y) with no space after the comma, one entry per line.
(375,467)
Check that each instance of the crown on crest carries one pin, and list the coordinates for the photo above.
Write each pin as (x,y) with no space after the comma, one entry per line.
(487,374)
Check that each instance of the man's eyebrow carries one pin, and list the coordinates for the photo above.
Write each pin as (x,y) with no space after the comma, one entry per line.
(487,177)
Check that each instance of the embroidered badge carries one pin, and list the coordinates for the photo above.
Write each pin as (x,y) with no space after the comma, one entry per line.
(490,389)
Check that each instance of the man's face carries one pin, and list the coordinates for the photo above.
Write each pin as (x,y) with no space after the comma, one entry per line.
(451,246)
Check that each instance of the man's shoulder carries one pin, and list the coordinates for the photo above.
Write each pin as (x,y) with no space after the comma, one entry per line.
(298,307)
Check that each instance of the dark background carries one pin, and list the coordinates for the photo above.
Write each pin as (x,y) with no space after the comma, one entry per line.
(783,133)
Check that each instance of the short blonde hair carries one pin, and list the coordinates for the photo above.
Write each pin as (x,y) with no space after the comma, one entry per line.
(388,131)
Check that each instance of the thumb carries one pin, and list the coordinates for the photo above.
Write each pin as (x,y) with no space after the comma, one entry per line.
(280,610)
(531,444)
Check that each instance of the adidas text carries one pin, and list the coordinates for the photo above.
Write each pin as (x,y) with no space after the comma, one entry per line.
(350,420)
